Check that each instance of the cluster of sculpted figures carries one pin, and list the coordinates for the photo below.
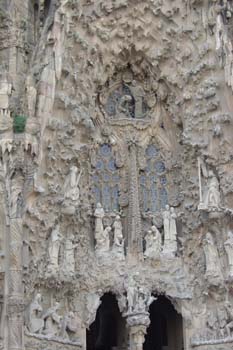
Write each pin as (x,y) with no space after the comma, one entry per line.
(153,237)
(213,265)
(54,247)
(49,323)
(102,234)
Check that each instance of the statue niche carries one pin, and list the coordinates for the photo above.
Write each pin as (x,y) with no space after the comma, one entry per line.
(126,101)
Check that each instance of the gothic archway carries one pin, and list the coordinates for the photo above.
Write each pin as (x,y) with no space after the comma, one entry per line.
(108,331)
(166,329)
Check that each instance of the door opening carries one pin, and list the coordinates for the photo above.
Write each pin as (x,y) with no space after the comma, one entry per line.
(166,330)
(108,331)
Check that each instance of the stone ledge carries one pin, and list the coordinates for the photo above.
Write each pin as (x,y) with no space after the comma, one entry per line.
(214,342)
(40,341)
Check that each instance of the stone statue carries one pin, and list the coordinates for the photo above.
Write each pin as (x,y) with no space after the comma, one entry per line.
(31,94)
(69,325)
(153,243)
(138,94)
(123,107)
(118,236)
(103,241)
(54,249)
(69,256)
(170,231)
(213,194)
(5,92)
(211,257)
(145,299)
(52,321)
(99,215)
(71,186)
(229,326)
(118,242)
(229,250)
(92,303)
(166,221)
(35,320)
(132,294)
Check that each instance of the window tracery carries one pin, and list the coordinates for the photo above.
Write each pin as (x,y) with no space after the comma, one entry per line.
(153,182)
(106,179)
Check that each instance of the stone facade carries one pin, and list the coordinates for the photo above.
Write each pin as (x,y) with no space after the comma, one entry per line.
(116,183)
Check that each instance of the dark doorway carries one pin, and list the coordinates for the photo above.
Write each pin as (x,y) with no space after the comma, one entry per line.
(108,331)
(165,331)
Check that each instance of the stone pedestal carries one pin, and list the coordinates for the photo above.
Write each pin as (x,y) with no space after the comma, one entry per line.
(137,324)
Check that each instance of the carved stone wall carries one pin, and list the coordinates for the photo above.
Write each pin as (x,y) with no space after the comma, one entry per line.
(115,168)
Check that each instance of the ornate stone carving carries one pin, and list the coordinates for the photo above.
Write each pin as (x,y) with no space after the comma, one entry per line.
(170,231)
(213,269)
(118,241)
(229,250)
(69,256)
(35,320)
(126,100)
(53,250)
(52,321)
(153,243)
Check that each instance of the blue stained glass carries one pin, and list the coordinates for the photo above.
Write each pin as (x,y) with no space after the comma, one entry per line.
(145,199)
(115,195)
(163,198)
(153,178)
(163,180)
(151,151)
(105,150)
(106,178)
(96,192)
(111,165)
(160,167)
(142,180)
(154,199)
(99,165)
(95,178)
(116,178)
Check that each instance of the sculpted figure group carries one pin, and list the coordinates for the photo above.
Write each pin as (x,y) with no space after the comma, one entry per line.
(56,242)
(212,259)
(153,238)
(102,235)
(138,298)
(49,324)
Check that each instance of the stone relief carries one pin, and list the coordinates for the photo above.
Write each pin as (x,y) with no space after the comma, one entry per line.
(50,324)
(53,250)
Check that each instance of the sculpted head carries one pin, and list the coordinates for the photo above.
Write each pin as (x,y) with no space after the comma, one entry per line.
(74,169)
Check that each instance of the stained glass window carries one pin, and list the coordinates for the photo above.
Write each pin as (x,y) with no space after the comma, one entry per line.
(153,182)
(106,179)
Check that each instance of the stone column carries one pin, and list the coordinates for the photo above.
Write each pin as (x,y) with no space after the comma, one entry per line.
(135,249)
(15,300)
(137,324)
